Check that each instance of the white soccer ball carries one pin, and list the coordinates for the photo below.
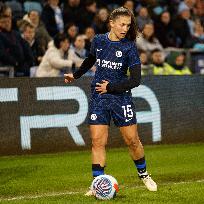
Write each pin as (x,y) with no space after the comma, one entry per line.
(104,187)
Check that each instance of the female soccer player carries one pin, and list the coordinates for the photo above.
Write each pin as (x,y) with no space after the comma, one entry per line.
(114,53)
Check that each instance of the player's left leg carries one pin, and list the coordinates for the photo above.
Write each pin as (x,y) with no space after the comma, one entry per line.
(130,135)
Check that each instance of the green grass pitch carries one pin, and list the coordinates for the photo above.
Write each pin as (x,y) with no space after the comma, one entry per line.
(65,177)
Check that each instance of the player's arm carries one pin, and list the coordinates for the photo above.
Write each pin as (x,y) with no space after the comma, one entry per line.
(132,82)
(85,66)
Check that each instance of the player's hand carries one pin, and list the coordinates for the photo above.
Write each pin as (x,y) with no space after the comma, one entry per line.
(101,87)
(68,78)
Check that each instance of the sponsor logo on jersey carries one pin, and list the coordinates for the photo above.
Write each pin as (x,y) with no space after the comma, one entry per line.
(109,64)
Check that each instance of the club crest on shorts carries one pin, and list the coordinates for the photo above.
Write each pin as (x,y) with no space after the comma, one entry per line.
(93,116)
(118,54)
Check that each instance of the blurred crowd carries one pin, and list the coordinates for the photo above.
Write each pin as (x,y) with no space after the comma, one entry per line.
(50,37)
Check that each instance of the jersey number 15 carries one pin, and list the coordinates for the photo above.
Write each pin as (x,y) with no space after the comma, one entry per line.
(127,111)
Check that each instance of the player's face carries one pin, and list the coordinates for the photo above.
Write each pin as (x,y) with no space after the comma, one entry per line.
(120,26)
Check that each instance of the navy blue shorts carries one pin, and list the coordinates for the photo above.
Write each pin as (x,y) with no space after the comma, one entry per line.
(120,109)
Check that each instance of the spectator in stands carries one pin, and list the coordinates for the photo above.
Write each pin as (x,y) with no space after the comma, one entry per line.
(14,50)
(159,66)
(100,23)
(190,4)
(42,38)
(172,7)
(164,31)
(28,34)
(129,4)
(198,35)
(41,33)
(89,35)
(199,9)
(146,69)
(183,25)
(143,18)
(158,8)
(52,18)
(16,10)
(53,61)
(71,12)
(78,52)
(147,41)
(71,30)
(178,64)
(145,66)
(87,14)
(188,15)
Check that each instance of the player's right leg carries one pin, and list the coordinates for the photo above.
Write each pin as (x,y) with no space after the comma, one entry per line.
(99,136)
(99,120)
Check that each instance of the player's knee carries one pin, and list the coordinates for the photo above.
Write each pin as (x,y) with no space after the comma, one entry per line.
(133,143)
(98,142)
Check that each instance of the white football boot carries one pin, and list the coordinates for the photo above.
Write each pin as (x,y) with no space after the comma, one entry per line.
(149,183)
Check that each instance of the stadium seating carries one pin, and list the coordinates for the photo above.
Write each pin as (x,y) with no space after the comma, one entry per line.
(7,69)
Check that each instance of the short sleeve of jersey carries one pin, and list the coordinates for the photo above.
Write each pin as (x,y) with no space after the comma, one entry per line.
(133,56)
(93,46)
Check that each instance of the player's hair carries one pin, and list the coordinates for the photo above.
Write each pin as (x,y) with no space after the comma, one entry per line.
(121,11)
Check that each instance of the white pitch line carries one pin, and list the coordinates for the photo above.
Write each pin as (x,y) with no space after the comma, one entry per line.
(39,196)
(44,195)
(185,182)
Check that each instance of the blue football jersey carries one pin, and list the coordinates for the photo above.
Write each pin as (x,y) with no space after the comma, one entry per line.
(113,58)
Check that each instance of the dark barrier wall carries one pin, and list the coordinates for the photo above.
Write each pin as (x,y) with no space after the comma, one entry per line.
(45,115)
